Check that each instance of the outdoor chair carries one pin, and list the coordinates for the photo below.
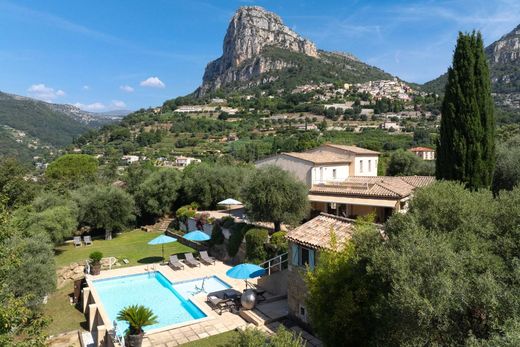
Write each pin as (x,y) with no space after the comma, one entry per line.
(77,241)
(220,305)
(174,263)
(190,260)
(87,240)
(205,258)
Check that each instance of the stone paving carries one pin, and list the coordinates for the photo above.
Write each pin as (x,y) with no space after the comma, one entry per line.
(175,337)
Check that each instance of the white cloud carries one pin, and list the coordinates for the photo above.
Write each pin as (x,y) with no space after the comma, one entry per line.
(118,104)
(42,92)
(126,88)
(152,82)
(95,107)
(85,87)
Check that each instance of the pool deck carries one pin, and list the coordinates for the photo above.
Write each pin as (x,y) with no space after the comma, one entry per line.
(189,331)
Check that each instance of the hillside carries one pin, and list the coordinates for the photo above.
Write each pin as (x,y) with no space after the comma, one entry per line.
(52,124)
(260,52)
(504,63)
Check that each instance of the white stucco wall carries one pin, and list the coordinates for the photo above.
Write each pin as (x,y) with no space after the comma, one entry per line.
(301,169)
(365,165)
(321,174)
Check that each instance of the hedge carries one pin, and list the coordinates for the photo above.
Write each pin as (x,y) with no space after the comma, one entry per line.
(217,237)
(255,241)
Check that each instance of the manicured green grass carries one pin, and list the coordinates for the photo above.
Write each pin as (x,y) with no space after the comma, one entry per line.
(64,316)
(219,340)
(132,245)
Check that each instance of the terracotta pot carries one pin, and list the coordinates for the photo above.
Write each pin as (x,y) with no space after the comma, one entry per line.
(95,269)
(134,340)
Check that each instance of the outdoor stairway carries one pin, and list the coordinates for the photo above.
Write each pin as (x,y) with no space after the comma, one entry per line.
(266,312)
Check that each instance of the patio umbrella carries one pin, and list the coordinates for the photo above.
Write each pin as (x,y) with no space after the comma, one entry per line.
(229,202)
(197,235)
(161,240)
(245,271)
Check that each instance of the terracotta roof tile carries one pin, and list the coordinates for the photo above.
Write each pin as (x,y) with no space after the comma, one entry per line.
(353,149)
(378,186)
(320,157)
(316,232)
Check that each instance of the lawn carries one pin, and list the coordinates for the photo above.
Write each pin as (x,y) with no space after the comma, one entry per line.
(65,317)
(132,245)
(219,340)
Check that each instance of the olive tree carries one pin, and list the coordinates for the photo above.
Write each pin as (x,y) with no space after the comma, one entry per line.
(275,195)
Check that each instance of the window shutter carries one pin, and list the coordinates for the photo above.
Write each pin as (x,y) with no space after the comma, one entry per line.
(295,257)
(311,259)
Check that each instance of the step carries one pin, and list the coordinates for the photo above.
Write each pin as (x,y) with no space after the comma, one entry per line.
(255,317)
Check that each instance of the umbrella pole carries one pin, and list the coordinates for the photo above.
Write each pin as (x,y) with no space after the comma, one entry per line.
(162,254)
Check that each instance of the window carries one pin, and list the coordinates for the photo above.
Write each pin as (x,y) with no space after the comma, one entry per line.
(334,173)
(361,166)
(302,256)
(303,313)
(370,166)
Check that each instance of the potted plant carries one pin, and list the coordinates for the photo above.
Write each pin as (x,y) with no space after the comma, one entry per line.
(95,262)
(137,317)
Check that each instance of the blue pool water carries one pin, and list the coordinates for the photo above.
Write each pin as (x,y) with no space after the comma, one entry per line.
(169,302)
(200,285)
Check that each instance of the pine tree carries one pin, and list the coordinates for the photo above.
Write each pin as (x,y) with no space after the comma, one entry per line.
(466,148)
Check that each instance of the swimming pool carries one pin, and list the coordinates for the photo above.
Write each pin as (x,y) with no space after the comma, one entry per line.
(170,302)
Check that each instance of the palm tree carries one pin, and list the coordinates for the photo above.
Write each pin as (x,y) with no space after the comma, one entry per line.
(137,316)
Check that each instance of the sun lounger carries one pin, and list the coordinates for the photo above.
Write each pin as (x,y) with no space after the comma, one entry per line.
(87,240)
(174,263)
(190,260)
(205,258)
(77,241)
(220,305)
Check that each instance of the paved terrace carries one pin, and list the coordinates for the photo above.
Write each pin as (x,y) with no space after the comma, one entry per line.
(175,335)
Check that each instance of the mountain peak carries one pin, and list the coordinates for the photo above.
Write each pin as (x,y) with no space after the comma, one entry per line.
(506,49)
(250,31)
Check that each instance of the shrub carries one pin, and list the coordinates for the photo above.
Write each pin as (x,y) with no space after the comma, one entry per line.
(137,316)
(255,241)
(227,222)
(185,212)
(235,240)
(96,257)
(277,244)
(217,238)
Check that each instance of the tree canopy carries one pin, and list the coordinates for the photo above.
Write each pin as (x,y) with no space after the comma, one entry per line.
(466,148)
(73,169)
(405,163)
(157,194)
(207,184)
(274,195)
(104,208)
(446,274)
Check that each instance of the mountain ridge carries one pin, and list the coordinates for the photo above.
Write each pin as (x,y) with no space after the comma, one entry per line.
(252,56)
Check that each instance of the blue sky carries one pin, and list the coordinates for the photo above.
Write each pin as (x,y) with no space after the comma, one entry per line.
(104,55)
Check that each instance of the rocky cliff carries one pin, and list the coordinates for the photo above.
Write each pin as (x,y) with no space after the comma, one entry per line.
(252,50)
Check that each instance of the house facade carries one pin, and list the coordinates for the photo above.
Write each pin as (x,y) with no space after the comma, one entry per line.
(343,181)
(305,244)
(425,153)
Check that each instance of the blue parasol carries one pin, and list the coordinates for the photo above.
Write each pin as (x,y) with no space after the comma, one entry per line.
(245,271)
(197,235)
(161,240)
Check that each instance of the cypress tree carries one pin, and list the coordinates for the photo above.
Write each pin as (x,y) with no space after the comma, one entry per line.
(466,147)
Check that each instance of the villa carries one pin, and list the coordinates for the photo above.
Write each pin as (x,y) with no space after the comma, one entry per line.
(425,153)
(305,244)
(342,180)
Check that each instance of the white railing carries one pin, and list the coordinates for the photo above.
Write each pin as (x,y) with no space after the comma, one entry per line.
(275,263)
